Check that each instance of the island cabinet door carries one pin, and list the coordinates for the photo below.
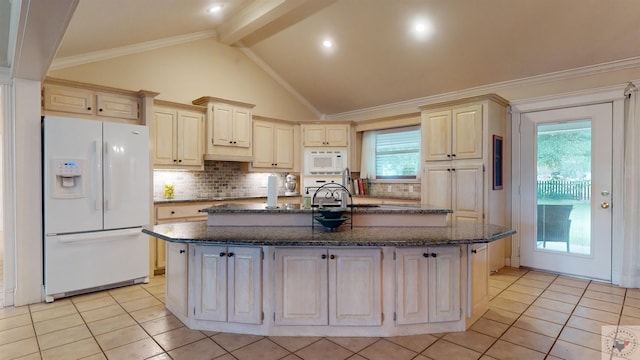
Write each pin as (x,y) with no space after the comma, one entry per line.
(210,283)
(244,285)
(301,286)
(444,284)
(355,277)
(412,281)
(478,259)
(176,278)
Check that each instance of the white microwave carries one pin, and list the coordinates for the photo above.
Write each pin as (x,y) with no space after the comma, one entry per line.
(324,162)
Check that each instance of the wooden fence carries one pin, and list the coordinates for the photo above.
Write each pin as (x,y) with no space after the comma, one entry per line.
(564,189)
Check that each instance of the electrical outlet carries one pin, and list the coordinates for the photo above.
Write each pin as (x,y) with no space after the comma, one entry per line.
(388,188)
(410,188)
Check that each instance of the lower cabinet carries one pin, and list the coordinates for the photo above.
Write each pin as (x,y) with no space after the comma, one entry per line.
(478,268)
(228,284)
(428,285)
(319,286)
(177,278)
(174,212)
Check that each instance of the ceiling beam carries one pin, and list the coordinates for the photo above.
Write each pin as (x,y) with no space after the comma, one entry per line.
(266,17)
(41,27)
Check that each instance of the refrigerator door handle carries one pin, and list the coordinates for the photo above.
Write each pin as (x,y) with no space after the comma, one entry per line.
(77,238)
(95,186)
(108,203)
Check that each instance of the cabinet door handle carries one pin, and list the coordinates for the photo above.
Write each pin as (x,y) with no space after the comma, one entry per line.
(434,255)
(173,212)
(230,254)
(454,155)
(88,107)
(324,256)
(425,255)
(181,251)
(332,257)
(474,251)
(223,254)
(100,109)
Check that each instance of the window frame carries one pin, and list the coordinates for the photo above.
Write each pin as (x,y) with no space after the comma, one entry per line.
(409,128)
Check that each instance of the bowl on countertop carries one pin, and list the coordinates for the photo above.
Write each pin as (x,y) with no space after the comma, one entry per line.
(331,212)
(331,223)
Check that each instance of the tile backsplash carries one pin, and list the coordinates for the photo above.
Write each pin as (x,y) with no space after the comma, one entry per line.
(219,179)
(222,179)
(395,190)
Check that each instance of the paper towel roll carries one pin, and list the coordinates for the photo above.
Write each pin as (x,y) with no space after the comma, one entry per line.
(272,191)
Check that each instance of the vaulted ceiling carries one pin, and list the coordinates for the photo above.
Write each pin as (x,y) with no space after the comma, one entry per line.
(377,57)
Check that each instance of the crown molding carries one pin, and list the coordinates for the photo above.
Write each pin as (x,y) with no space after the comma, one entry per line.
(94,56)
(413,104)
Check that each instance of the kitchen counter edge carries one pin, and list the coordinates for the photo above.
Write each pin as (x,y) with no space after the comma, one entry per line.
(453,234)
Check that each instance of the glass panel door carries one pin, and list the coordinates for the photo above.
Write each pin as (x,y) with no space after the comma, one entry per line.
(564,187)
(566,190)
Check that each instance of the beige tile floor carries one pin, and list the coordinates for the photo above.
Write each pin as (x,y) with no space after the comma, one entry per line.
(532,315)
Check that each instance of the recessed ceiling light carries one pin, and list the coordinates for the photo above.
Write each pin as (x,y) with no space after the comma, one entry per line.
(327,44)
(215,8)
(422,29)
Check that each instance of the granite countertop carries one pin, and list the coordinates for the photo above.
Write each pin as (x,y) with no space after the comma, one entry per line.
(213,198)
(258,208)
(452,234)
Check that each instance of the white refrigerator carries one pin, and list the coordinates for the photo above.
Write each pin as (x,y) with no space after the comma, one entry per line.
(96,199)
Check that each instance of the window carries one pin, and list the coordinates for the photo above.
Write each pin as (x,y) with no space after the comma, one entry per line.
(397,153)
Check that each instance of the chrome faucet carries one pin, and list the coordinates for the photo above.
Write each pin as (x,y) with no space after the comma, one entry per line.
(346,182)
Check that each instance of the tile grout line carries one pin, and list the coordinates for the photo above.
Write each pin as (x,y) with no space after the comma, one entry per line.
(527,308)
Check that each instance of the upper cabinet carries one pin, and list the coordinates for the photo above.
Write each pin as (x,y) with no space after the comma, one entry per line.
(229,129)
(273,145)
(453,134)
(75,99)
(321,135)
(458,159)
(178,136)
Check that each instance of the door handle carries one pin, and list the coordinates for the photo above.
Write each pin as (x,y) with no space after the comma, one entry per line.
(605,205)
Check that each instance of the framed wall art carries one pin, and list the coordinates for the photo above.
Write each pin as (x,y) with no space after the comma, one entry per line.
(497,162)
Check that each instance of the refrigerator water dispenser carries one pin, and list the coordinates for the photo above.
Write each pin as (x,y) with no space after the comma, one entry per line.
(69,178)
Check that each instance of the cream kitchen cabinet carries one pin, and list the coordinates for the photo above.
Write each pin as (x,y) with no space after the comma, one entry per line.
(457,141)
(319,286)
(457,186)
(428,285)
(323,135)
(178,138)
(174,212)
(231,284)
(177,276)
(478,268)
(90,103)
(452,134)
(273,145)
(229,129)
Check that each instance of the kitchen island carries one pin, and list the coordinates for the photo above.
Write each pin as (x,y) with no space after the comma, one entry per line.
(309,281)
